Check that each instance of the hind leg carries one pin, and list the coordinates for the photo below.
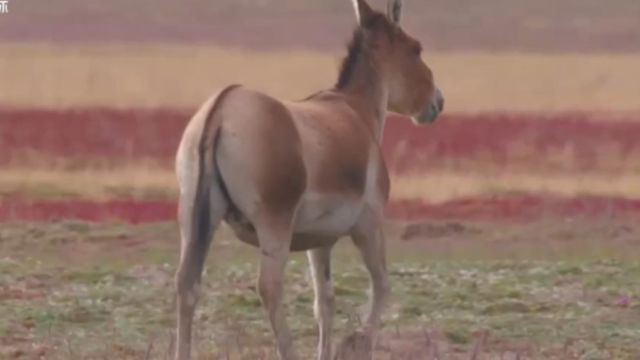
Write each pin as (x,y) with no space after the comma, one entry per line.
(274,237)
(198,220)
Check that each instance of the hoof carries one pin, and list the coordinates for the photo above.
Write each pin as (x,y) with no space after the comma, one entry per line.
(357,346)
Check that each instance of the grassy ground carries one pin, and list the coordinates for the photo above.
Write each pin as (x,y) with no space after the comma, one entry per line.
(39,75)
(549,290)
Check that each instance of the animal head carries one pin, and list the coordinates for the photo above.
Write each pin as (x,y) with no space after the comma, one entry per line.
(398,57)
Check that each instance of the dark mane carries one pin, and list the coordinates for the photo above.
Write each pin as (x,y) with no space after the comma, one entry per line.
(355,49)
(358,46)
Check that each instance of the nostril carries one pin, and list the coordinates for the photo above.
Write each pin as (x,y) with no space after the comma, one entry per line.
(440,103)
(439,99)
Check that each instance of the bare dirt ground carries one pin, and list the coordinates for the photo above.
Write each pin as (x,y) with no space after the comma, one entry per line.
(550,289)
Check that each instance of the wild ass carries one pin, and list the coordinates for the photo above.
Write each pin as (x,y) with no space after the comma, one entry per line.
(297,175)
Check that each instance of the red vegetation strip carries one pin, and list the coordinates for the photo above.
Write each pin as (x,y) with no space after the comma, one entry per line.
(521,208)
(116,135)
(92,133)
(130,135)
(524,208)
(497,135)
(131,211)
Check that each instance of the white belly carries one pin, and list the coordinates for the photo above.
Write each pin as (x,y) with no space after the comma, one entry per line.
(326,215)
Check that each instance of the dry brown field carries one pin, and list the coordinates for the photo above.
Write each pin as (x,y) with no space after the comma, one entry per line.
(147,75)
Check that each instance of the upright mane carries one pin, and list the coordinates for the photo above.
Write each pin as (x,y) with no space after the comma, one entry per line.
(359,46)
(355,50)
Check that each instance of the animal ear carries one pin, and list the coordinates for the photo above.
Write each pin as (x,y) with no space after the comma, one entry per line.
(363,11)
(395,11)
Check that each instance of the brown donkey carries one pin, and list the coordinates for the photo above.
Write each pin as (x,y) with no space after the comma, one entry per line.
(298,175)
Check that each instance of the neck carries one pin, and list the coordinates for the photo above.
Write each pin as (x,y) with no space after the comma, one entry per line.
(366,92)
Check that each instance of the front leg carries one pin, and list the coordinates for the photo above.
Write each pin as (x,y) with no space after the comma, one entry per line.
(368,236)
(369,239)
(324,305)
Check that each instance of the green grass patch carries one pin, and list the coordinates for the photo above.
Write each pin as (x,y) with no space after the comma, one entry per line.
(121,305)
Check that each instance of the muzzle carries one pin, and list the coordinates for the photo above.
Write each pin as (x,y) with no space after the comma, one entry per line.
(431,112)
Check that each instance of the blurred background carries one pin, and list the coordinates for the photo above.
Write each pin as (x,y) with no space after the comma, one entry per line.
(536,157)
(542,96)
